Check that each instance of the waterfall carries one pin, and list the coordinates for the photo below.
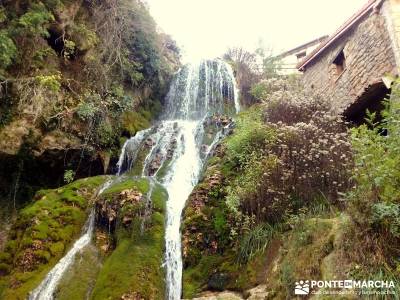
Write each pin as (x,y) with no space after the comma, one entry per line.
(174,156)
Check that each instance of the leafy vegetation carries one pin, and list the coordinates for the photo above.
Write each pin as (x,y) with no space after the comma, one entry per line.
(8,50)
(285,155)
(374,202)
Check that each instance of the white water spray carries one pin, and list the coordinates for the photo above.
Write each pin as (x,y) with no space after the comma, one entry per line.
(199,91)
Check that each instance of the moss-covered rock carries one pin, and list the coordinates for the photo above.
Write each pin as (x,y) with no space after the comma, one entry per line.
(79,281)
(220,272)
(309,251)
(134,267)
(42,233)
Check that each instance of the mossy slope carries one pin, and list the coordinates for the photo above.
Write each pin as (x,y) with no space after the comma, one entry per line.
(42,234)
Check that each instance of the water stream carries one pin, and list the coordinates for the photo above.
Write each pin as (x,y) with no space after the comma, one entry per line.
(175,151)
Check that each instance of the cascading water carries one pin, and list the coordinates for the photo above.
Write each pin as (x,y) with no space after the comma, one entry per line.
(177,147)
(172,153)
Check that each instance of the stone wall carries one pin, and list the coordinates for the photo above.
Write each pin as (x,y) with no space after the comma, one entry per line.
(369,56)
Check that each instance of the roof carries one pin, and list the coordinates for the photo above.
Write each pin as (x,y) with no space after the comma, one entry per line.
(304,46)
(369,6)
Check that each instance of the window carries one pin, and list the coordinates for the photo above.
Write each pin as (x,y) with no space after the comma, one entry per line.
(340,63)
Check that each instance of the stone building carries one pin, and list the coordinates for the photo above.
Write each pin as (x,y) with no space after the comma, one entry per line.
(350,68)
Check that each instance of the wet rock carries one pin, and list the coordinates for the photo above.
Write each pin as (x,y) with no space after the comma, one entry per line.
(218,281)
(149,142)
(171,148)
(109,209)
(102,241)
(130,196)
(204,148)
(155,164)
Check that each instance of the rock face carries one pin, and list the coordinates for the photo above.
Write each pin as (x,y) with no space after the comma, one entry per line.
(193,236)
(62,106)
(31,161)
(108,208)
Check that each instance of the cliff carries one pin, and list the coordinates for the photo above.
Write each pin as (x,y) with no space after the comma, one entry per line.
(77,79)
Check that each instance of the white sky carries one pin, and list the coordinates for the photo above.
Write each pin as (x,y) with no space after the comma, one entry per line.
(206,28)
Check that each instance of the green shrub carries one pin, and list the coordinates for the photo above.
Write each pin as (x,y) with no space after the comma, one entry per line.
(3,16)
(41,55)
(250,136)
(284,156)
(87,110)
(36,20)
(69,49)
(84,38)
(57,249)
(387,215)
(133,122)
(375,201)
(43,255)
(105,134)
(259,91)
(51,82)
(8,50)
(69,176)
(4,268)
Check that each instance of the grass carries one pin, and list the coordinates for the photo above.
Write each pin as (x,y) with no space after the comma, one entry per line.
(256,240)
(43,232)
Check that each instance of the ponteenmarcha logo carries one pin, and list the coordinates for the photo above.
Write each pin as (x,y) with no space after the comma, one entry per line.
(302,288)
(305,287)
